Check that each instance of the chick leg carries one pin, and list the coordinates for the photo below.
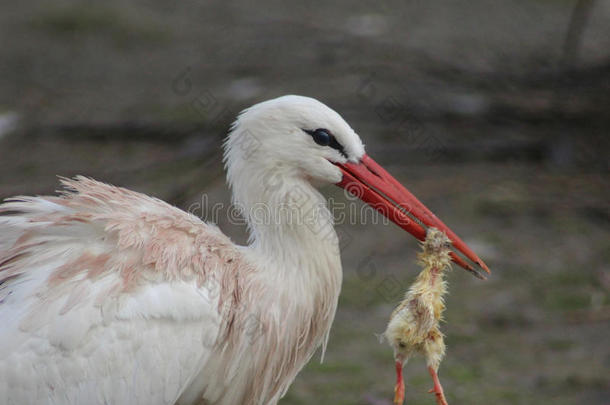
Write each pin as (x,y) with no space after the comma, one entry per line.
(438,388)
(434,348)
(399,389)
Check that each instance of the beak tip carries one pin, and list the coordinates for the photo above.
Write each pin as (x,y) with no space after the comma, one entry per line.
(483,266)
(478,274)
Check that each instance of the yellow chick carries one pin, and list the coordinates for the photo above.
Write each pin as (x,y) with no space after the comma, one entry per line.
(414,324)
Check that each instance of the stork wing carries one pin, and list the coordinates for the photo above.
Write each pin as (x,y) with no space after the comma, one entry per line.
(107,296)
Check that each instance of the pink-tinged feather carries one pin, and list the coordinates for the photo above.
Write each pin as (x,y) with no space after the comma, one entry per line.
(96,232)
(77,295)
(142,237)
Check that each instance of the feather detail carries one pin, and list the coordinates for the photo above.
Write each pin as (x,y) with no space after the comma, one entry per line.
(73,267)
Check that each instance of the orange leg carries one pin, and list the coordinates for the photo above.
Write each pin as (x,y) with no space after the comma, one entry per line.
(399,389)
(438,388)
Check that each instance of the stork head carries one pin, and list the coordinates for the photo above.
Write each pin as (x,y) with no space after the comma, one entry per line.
(295,137)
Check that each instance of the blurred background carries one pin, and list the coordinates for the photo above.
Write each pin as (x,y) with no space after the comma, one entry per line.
(495,114)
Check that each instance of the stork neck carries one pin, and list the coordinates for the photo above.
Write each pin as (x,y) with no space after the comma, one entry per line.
(290,223)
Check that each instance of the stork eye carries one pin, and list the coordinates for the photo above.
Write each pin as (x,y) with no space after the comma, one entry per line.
(323,137)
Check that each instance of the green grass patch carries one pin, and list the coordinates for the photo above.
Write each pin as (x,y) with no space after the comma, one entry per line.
(339,368)
(90,19)
(565,300)
(559,345)
(463,372)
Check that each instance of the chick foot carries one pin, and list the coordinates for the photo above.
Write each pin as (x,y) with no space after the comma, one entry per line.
(438,388)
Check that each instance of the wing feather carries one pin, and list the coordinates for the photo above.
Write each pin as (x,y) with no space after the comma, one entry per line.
(108,296)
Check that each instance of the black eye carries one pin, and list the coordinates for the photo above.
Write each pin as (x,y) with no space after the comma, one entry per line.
(321,137)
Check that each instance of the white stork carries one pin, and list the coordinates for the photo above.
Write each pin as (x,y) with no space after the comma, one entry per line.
(108,296)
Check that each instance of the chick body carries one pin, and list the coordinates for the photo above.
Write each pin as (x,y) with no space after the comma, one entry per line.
(414,324)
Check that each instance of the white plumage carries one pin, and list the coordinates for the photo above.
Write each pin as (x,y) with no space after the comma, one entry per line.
(108,296)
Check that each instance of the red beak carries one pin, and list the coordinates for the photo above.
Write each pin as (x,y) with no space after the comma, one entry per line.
(372,184)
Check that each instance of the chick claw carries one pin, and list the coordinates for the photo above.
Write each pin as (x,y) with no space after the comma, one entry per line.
(399,389)
(438,389)
(399,395)
(440,397)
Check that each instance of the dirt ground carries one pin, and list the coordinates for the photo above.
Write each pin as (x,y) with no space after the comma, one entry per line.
(479,107)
